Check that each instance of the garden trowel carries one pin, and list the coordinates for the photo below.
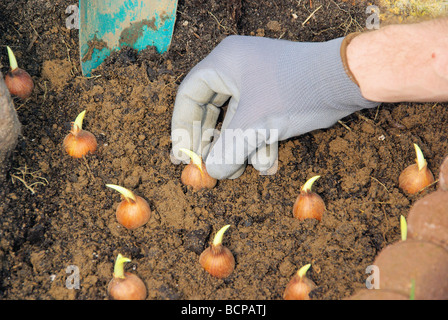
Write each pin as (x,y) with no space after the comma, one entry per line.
(108,25)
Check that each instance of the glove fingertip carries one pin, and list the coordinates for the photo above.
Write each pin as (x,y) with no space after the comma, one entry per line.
(223,171)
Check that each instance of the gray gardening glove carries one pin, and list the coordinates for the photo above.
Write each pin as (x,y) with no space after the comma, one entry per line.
(278,89)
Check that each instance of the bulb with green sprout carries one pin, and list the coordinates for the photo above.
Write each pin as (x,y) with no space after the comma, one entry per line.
(17,80)
(195,174)
(308,205)
(217,259)
(417,176)
(299,287)
(79,142)
(125,285)
(133,211)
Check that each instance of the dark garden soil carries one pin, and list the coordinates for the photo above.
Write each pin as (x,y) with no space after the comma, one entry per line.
(67,218)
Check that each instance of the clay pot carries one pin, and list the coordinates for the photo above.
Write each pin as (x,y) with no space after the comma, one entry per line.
(423,262)
(443,175)
(428,219)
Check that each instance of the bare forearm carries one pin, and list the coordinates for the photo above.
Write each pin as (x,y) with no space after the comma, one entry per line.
(402,62)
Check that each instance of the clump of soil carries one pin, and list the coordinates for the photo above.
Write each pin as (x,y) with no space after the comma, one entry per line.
(66,220)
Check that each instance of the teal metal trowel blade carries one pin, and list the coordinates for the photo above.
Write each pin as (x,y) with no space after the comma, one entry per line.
(108,25)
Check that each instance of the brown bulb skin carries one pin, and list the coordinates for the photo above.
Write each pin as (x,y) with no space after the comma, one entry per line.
(133,214)
(129,288)
(298,288)
(412,180)
(19,83)
(193,176)
(80,143)
(308,205)
(218,261)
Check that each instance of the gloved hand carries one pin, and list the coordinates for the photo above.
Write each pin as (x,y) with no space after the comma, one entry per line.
(278,89)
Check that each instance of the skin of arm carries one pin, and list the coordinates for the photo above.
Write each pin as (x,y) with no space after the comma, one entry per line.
(400,63)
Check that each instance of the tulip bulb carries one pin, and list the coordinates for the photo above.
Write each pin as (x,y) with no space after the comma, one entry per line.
(299,287)
(417,176)
(17,80)
(308,204)
(217,259)
(79,142)
(125,285)
(195,174)
(133,211)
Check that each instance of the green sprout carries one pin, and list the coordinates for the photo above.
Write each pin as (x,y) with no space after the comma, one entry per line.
(302,271)
(404,228)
